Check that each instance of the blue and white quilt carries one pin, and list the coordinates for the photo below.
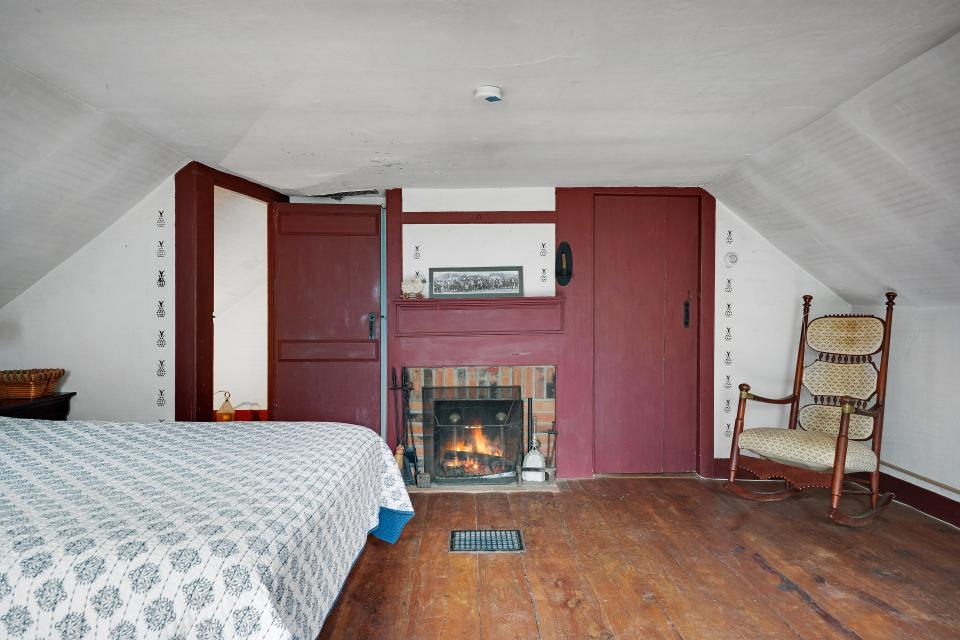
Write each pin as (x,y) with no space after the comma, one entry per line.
(186,530)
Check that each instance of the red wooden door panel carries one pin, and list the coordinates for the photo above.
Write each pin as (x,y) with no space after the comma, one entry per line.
(325,277)
(645,360)
(680,343)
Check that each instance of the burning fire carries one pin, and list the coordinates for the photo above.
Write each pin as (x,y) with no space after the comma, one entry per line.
(477,444)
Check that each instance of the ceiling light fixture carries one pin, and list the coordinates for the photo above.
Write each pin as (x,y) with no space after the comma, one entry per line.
(489,92)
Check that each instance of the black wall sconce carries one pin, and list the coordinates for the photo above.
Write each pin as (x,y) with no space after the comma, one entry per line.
(564,264)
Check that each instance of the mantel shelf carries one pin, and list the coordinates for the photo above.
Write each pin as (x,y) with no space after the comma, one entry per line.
(478,316)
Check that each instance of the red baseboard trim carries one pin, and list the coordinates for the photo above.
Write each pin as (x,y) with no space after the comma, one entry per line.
(721,469)
(929,502)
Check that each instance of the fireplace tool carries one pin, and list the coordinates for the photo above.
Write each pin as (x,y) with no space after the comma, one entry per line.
(409,453)
(420,476)
(550,458)
(533,463)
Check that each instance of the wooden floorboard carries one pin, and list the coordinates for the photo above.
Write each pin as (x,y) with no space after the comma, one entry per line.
(506,605)
(567,606)
(655,558)
(624,587)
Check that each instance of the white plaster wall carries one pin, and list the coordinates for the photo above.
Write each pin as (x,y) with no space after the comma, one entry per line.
(765,300)
(95,315)
(920,431)
(493,199)
(531,246)
(240,299)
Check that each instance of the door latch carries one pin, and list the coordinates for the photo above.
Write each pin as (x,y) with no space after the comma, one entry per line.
(686,312)
(372,319)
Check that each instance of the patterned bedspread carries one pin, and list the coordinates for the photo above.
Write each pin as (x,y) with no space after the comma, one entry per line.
(186,530)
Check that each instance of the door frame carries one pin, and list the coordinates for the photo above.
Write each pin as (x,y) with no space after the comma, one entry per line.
(193,223)
(575,385)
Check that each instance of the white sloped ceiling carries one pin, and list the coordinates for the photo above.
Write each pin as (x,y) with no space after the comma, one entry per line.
(67,171)
(867,198)
(103,100)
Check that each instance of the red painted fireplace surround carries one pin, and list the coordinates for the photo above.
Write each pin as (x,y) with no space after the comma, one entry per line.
(538,331)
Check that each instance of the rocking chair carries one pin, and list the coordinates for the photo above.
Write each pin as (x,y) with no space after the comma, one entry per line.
(831,441)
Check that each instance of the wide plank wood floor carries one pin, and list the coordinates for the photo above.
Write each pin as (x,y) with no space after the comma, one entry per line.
(654,558)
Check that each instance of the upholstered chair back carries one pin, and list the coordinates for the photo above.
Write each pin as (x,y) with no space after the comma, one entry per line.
(845,345)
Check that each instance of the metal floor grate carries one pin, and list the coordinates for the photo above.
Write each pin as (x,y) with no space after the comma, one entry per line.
(486,540)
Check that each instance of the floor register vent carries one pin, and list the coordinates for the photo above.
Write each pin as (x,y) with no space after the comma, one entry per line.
(486,540)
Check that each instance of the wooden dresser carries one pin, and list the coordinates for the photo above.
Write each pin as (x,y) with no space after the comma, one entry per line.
(52,407)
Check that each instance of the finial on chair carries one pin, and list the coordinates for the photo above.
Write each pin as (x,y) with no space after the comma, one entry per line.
(891,296)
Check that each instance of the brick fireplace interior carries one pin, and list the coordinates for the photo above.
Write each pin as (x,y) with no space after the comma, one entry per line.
(473,434)
(485,439)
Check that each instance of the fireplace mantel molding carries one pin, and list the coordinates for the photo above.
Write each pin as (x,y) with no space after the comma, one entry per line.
(478,317)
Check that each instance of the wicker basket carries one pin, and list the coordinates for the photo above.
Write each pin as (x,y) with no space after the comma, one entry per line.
(29,383)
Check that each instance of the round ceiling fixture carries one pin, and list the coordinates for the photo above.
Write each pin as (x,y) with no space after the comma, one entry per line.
(489,92)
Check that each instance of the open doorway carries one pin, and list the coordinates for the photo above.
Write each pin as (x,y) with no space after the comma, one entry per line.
(240,309)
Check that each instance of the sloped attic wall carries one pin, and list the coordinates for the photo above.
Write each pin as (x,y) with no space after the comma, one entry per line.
(67,171)
(868,197)
(97,315)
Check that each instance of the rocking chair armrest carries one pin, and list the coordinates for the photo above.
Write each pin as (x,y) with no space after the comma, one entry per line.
(872,412)
(787,400)
(746,395)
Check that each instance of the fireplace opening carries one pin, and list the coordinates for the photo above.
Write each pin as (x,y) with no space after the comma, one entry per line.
(473,434)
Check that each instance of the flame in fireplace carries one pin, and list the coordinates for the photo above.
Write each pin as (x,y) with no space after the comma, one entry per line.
(471,455)
(478,443)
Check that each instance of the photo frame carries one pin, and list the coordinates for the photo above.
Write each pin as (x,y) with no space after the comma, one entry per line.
(476,282)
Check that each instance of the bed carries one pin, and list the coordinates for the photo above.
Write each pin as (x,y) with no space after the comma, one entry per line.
(186,530)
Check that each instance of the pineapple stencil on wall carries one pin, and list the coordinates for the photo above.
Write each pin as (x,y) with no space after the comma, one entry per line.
(161,240)
(728,360)
(727,383)
(543,274)
(728,431)
(416,252)
(728,336)
(726,406)
(729,236)
(729,286)
(543,251)
(729,311)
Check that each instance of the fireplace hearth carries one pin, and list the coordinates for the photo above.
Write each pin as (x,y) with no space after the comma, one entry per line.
(473,435)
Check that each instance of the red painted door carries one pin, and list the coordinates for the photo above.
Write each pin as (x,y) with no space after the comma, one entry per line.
(325,278)
(645,335)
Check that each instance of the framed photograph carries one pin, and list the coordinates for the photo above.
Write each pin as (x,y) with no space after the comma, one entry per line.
(476,282)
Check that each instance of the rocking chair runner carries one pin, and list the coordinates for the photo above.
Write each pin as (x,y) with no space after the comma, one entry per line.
(830,442)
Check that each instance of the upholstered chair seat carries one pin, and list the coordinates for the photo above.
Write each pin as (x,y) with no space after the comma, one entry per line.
(809,449)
